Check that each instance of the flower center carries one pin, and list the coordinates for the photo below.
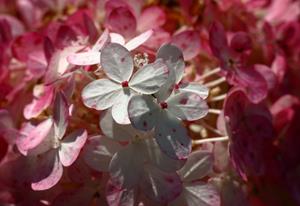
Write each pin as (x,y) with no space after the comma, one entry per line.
(125,84)
(164,105)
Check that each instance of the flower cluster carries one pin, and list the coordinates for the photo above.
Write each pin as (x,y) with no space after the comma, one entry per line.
(149,102)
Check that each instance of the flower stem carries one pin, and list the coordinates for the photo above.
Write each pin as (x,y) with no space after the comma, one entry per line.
(210,73)
(218,98)
(214,111)
(215,82)
(213,139)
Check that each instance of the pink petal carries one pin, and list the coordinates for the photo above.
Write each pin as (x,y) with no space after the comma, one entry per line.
(71,146)
(48,172)
(64,36)
(90,27)
(121,20)
(267,74)
(103,39)
(189,42)
(116,196)
(37,63)
(35,136)
(138,40)
(38,105)
(84,58)
(150,18)
(241,42)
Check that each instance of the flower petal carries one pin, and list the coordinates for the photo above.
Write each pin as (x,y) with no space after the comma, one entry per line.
(70,147)
(116,131)
(173,57)
(120,108)
(194,87)
(138,40)
(142,112)
(99,151)
(195,194)
(150,18)
(189,42)
(48,172)
(38,105)
(187,106)
(198,165)
(103,39)
(101,94)
(159,159)
(160,186)
(172,136)
(35,136)
(119,197)
(84,58)
(127,165)
(61,114)
(117,38)
(117,62)
(150,78)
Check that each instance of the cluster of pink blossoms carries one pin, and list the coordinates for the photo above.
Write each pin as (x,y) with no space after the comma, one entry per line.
(150,102)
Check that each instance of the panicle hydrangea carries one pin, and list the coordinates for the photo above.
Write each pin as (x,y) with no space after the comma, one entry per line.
(149,103)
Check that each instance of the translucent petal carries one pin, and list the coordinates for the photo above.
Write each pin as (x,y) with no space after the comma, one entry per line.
(160,186)
(127,165)
(138,40)
(48,172)
(173,57)
(61,114)
(195,87)
(198,165)
(117,62)
(101,94)
(99,151)
(159,159)
(172,136)
(84,58)
(116,131)
(70,147)
(143,112)
(187,106)
(198,194)
(150,78)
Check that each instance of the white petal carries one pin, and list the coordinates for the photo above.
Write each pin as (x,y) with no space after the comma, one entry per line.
(98,152)
(172,137)
(71,146)
(150,78)
(120,108)
(198,165)
(101,94)
(187,106)
(167,89)
(143,112)
(84,58)
(61,114)
(117,38)
(197,88)
(173,57)
(138,40)
(117,62)
(116,131)
(126,166)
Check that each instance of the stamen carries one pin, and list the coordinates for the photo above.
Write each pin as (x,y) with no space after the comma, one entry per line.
(164,105)
(125,84)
